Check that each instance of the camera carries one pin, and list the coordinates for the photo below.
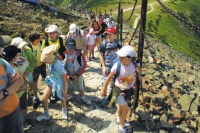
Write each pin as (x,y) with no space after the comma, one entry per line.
(70,78)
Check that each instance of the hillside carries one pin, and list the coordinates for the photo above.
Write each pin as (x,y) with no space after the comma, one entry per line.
(160,25)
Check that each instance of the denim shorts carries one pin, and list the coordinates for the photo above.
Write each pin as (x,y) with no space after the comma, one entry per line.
(98,36)
(120,100)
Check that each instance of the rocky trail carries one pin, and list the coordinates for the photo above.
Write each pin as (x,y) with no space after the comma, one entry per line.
(169,97)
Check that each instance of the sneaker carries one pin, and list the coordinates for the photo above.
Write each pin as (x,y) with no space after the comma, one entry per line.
(86,100)
(126,123)
(64,114)
(36,103)
(125,129)
(42,117)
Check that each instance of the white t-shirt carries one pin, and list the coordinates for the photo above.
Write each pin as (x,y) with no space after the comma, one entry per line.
(22,64)
(126,78)
(91,39)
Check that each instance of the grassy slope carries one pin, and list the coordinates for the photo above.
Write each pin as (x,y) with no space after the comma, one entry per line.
(167,29)
(161,25)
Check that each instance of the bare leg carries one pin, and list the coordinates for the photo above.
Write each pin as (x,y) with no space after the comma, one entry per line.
(123,110)
(45,97)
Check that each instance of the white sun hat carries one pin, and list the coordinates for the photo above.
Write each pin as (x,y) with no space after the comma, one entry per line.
(126,51)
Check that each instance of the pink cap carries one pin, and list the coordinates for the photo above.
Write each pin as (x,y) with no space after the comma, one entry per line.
(91,30)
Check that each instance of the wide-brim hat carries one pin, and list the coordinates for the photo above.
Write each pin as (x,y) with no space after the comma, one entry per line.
(53,28)
(48,55)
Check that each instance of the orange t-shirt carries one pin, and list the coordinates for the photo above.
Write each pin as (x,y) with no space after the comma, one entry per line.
(10,105)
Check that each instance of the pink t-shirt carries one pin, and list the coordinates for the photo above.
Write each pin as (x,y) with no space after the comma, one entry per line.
(90,39)
(126,78)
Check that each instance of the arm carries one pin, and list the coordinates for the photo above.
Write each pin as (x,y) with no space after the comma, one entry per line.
(32,60)
(104,88)
(104,70)
(14,84)
(81,70)
(64,85)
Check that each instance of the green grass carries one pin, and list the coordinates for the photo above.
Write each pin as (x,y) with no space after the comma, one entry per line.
(160,25)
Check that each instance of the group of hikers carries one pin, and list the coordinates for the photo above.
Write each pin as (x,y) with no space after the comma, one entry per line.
(61,62)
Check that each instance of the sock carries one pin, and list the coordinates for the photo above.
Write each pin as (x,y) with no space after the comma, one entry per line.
(121,127)
(117,119)
(46,113)
(64,109)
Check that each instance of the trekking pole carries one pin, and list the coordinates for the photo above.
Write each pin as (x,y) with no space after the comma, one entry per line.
(121,25)
(118,19)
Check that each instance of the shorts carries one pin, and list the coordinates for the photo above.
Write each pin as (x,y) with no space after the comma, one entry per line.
(39,70)
(79,84)
(91,47)
(57,86)
(12,123)
(120,100)
(23,101)
(98,36)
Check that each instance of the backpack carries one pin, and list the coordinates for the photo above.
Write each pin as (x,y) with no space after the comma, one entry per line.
(104,45)
(30,46)
(80,34)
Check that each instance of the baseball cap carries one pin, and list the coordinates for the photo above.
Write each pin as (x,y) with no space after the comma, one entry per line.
(126,51)
(72,28)
(4,39)
(111,30)
(70,44)
(18,42)
(10,52)
(53,28)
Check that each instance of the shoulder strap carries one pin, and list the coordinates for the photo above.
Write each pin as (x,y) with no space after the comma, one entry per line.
(117,70)
(46,42)
(104,46)
(60,41)
(79,59)
(79,32)
(30,46)
(135,65)
(3,63)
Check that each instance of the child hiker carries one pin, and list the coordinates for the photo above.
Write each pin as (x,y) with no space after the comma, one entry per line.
(123,85)
(91,43)
(75,65)
(56,76)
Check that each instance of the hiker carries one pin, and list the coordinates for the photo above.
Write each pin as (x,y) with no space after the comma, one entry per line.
(78,35)
(110,23)
(107,51)
(11,55)
(35,45)
(56,78)
(123,85)
(54,34)
(3,41)
(26,64)
(75,65)
(91,43)
(10,82)
(103,30)
(97,28)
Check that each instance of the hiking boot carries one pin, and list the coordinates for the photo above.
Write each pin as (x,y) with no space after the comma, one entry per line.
(125,129)
(86,100)
(64,114)
(36,103)
(126,123)
(42,117)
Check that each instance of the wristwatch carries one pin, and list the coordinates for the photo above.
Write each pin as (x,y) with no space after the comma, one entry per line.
(5,93)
